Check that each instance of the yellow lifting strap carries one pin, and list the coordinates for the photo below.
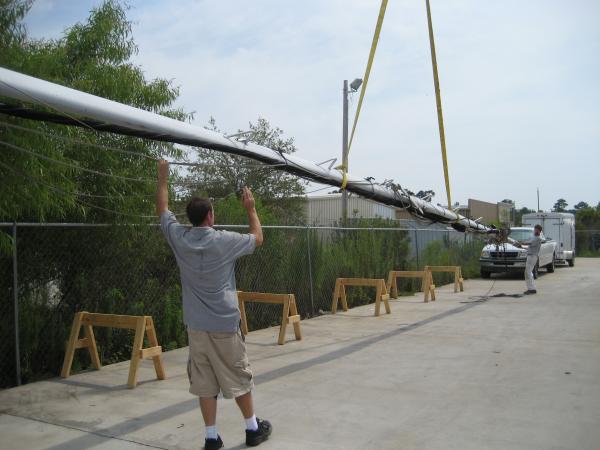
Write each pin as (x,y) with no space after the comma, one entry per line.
(365,81)
(344,169)
(438,100)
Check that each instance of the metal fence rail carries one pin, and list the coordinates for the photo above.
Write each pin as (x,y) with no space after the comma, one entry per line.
(50,271)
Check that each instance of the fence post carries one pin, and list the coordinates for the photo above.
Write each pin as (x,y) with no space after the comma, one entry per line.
(310,278)
(417,249)
(16,304)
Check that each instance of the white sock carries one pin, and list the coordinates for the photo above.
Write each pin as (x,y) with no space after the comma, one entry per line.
(251,423)
(211,432)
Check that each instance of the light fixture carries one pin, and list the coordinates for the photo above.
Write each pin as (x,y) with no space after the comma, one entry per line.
(356,84)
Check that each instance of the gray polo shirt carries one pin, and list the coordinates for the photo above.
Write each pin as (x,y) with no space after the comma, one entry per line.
(534,246)
(206,259)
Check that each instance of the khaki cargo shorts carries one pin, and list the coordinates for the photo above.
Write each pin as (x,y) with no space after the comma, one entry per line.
(218,362)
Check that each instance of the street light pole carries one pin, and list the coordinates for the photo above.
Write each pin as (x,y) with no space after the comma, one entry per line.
(345,151)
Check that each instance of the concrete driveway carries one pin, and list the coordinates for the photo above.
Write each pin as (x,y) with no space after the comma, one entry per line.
(463,372)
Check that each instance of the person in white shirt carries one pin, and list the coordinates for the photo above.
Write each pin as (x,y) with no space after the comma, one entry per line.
(533,251)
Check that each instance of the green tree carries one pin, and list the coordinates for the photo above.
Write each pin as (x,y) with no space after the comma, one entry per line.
(560,205)
(12,30)
(520,212)
(587,240)
(121,270)
(94,57)
(220,174)
(229,211)
(581,205)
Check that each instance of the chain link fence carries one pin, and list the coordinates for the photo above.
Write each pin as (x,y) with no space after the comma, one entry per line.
(59,269)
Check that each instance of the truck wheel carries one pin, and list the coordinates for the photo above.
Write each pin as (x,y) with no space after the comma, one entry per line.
(550,267)
(485,274)
(571,261)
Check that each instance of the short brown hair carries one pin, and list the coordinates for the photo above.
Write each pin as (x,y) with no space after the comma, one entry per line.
(538,227)
(197,209)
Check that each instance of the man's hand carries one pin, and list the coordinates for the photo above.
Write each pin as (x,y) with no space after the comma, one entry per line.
(247,199)
(162,192)
(253,221)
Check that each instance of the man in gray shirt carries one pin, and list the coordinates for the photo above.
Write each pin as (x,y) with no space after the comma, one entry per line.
(206,258)
(533,251)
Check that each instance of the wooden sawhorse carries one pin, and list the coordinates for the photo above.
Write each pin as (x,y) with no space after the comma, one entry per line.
(290,311)
(141,325)
(339,293)
(427,285)
(456,270)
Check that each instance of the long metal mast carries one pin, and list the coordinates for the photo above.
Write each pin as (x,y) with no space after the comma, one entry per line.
(80,106)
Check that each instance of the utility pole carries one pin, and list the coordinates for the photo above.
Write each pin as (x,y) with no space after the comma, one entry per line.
(345,151)
(538,196)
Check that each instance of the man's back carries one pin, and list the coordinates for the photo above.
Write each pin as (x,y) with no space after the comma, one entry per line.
(206,260)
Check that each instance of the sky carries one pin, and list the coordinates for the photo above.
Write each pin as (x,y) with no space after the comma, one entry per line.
(519,84)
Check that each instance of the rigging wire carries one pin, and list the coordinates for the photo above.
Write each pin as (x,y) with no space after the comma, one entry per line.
(318,190)
(73,140)
(73,194)
(105,174)
(96,172)
(74,166)
(119,177)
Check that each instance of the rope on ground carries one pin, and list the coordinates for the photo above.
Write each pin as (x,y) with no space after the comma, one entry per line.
(487,296)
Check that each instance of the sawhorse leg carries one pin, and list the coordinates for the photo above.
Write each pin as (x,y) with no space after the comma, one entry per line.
(295,318)
(380,295)
(138,343)
(284,320)
(339,293)
(74,343)
(153,341)
(392,286)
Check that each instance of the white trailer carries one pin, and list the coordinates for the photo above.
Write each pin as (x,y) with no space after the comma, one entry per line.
(560,227)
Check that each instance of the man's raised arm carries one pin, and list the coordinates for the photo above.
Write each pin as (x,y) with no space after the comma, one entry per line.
(162,191)
(253,221)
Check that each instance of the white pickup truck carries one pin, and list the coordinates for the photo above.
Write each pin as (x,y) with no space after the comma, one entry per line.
(506,257)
